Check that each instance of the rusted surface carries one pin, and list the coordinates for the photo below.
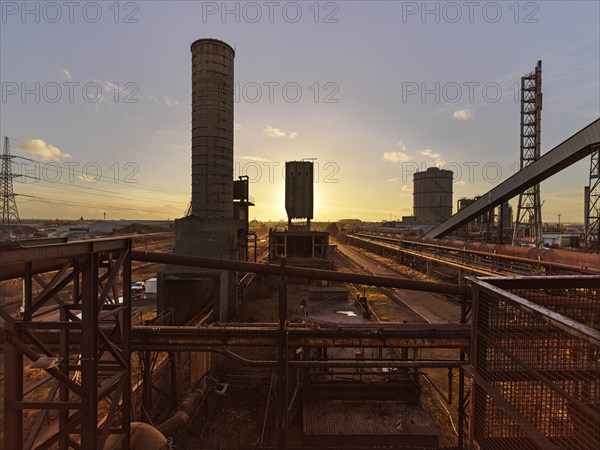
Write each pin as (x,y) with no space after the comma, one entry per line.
(300,272)
(534,364)
(348,423)
(552,258)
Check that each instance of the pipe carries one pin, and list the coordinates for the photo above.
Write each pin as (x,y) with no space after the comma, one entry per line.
(300,272)
(172,338)
(574,260)
(561,259)
(179,421)
(17,270)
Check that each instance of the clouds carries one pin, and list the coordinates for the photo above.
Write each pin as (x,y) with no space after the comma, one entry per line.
(42,150)
(278,133)
(463,114)
(170,102)
(255,158)
(429,153)
(403,156)
(397,157)
(65,72)
(436,156)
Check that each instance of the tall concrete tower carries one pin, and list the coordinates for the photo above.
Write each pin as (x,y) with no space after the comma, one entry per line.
(211,230)
(212,129)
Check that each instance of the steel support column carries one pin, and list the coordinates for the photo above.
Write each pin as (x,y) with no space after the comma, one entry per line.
(282,363)
(592,216)
(95,343)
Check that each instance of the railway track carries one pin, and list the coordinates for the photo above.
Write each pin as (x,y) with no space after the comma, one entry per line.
(423,305)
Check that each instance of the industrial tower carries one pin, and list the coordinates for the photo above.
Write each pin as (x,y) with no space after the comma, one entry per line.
(528,223)
(592,203)
(9,204)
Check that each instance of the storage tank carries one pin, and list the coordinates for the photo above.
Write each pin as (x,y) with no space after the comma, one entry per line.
(432,195)
(299,190)
(212,129)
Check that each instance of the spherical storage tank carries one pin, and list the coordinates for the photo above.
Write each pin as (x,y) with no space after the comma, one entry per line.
(432,195)
(212,129)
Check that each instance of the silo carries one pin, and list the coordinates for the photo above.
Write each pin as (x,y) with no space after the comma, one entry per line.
(299,190)
(432,195)
(212,129)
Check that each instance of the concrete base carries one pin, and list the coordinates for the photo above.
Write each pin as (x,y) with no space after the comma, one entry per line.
(188,290)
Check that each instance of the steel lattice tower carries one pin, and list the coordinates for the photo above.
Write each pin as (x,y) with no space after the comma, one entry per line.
(9,204)
(528,223)
(592,222)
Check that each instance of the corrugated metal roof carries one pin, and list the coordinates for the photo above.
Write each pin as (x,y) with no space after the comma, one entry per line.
(372,417)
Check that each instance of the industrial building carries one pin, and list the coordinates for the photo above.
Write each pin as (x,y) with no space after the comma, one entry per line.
(218,224)
(432,195)
(491,347)
(300,245)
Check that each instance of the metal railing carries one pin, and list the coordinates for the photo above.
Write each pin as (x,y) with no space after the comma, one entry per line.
(535,363)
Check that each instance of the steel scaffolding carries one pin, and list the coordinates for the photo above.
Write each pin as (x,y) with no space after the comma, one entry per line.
(592,202)
(528,223)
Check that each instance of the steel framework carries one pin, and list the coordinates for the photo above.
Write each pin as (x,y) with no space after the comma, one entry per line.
(528,223)
(9,204)
(85,382)
(592,222)
(573,149)
(534,363)
(531,352)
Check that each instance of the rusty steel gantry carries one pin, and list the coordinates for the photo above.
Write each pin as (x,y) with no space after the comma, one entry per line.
(88,361)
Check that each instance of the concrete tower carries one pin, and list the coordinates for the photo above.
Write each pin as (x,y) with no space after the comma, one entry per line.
(432,195)
(212,129)
(211,230)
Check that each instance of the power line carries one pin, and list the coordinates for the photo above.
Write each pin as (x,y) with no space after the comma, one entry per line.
(115,194)
(112,180)
(88,206)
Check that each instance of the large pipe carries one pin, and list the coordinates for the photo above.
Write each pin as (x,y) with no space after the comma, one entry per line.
(571,258)
(561,259)
(17,270)
(300,272)
(179,421)
(172,338)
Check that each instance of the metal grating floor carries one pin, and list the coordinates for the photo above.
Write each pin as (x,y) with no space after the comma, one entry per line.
(343,422)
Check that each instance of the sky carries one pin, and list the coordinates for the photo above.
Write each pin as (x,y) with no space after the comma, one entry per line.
(96,100)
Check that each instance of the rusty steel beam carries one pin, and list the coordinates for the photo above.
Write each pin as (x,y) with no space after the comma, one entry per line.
(60,251)
(18,270)
(541,282)
(190,338)
(300,272)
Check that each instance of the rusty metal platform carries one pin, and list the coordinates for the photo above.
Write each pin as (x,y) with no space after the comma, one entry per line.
(358,423)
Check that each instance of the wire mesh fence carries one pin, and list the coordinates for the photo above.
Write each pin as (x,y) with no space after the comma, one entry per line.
(535,360)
